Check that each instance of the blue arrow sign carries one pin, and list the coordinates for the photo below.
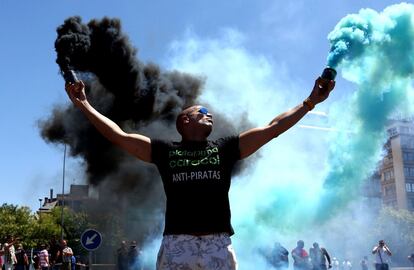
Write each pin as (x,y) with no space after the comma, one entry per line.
(91,239)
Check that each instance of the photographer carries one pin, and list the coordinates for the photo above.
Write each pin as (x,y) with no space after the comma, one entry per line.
(382,254)
(411,259)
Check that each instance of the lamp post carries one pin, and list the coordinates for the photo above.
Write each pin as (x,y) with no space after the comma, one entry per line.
(63,193)
(40,203)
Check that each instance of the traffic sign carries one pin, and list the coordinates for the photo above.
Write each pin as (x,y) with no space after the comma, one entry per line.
(91,239)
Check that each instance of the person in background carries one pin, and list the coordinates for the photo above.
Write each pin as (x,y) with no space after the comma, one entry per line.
(22,260)
(1,256)
(9,253)
(382,255)
(55,253)
(34,261)
(67,254)
(364,263)
(300,257)
(411,259)
(279,257)
(134,257)
(122,256)
(319,256)
(335,263)
(73,263)
(346,265)
(43,257)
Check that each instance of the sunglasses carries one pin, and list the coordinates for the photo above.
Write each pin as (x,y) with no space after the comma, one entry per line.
(202,110)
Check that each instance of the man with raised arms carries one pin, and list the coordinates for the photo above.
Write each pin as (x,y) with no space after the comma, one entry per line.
(196,174)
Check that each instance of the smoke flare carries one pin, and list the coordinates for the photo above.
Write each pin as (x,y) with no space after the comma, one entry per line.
(375,51)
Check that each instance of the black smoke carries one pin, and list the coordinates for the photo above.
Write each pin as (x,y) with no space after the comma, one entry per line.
(139,97)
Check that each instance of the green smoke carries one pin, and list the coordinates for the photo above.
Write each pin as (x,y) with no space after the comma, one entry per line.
(375,51)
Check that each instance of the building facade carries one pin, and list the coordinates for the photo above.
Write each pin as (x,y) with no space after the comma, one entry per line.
(77,199)
(397,167)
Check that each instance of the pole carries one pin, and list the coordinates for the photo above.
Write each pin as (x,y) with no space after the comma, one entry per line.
(90,260)
(63,194)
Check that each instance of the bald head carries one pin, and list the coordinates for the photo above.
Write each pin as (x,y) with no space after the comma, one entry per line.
(194,123)
(181,118)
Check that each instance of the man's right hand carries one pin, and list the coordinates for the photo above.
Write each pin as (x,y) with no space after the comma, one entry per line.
(76,92)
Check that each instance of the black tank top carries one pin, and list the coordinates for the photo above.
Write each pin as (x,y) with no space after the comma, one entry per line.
(196,178)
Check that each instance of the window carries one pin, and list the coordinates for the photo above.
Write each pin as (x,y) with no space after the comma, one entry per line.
(405,130)
(389,191)
(387,159)
(407,156)
(407,141)
(409,171)
(389,174)
(392,131)
(409,187)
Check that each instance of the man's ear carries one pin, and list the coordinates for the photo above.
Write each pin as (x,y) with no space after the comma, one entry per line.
(186,119)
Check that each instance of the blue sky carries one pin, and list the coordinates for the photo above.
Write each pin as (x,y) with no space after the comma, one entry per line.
(292,35)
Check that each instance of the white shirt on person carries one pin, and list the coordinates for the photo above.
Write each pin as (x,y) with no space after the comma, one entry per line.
(381,256)
(43,258)
(9,254)
(67,259)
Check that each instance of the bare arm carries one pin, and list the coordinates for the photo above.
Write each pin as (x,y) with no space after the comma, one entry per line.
(327,257)
(68,252)
(296,257)
(135,144)
(387,250)
(253,139)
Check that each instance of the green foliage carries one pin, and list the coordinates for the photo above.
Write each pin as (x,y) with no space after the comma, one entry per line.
(33,229)
(73,226)
(396,228)
(16,221)
(73,223)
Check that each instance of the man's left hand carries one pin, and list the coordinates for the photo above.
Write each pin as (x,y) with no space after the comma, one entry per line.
(321,90)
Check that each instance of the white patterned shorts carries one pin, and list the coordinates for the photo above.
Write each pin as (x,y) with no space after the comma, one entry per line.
(189,252)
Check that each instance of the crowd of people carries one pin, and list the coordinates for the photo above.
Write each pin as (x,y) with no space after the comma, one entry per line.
(318,258)
(56,255)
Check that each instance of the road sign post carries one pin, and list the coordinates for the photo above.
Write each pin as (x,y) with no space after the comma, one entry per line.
(91,240)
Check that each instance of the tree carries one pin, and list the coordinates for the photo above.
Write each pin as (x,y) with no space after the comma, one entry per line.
(18,222)
(396,228)
(33,230)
